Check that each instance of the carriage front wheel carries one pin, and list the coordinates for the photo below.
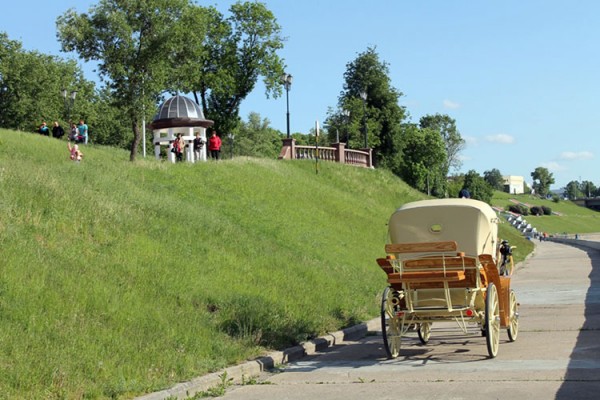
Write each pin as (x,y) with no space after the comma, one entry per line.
(492,320)
(390,325)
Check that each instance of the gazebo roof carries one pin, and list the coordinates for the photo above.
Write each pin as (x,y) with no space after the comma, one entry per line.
(179,111)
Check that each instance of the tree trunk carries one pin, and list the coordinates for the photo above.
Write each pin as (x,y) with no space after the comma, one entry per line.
(136,139)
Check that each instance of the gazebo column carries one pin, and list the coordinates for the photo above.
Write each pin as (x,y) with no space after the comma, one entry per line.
(170,138)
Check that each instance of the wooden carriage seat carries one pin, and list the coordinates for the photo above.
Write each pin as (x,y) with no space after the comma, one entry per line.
(428,269)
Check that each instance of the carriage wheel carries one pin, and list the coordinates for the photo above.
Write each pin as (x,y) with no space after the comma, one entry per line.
(390,326)
(513,321)
(424,332)
(492,320)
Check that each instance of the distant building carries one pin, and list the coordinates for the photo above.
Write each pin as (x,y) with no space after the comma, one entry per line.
(514,184)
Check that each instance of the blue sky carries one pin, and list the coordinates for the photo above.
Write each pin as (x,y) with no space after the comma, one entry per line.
(521,78)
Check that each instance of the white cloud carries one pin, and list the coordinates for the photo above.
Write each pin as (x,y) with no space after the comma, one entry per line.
(500,138)
(571,155)
(471,140)
(553,166)
(451,104)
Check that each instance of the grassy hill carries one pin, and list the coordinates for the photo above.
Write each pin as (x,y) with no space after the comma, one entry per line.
(569,218)
(120,278)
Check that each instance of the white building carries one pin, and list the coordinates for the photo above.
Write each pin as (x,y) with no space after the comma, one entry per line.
(514,184)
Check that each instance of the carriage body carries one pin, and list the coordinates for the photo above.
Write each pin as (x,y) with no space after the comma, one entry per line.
(442,265)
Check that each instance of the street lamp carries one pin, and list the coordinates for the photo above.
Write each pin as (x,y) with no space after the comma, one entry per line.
(346,116)
(363,96)
(231,136)
(69,101)
(286,79)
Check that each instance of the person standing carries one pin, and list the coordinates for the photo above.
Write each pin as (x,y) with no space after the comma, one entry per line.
(198,145)
(43,129)
(178,147)
(214,146)
(82,135)
(73,132)
(57,130)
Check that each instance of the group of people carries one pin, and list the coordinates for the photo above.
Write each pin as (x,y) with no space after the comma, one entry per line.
(77,133)
(214,146)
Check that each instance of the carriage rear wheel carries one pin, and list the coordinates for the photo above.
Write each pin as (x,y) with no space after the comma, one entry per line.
(513,319)
(390,325)
(492,320)
(424,332)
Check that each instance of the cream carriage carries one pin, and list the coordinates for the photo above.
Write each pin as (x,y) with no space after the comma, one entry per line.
(443,264)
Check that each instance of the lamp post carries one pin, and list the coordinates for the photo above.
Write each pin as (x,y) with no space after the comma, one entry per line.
(286,79)
(231,136)
(363,96)
(69,101)
(346,117)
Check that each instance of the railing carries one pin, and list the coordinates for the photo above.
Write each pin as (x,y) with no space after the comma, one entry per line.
(336,153)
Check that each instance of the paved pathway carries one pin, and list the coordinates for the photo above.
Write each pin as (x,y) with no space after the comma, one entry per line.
(557,353)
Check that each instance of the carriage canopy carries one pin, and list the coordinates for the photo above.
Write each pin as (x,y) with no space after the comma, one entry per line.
(472,224)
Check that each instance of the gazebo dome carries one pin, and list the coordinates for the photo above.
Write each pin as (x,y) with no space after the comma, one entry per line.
(180,111)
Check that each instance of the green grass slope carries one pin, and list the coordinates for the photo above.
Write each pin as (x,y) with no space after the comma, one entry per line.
(120,278)
(570,217)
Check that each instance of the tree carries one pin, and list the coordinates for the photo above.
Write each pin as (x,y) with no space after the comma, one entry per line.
(256,139)
(380,110)
(453,141)
(542,179)
(226,62)
(588,188)
(494,178)
(31,87)
(136,44)
(572,190)
(478,187)
(421,164)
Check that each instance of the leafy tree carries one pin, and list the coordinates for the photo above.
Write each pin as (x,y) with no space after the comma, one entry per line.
(542,179)
(256,139)
(109,127)
(588,188)
(494,178)
(226,61)
(453,141)
(31,87)
(380,110)
(479,188)
(421,165)
(572,190)
(136,44)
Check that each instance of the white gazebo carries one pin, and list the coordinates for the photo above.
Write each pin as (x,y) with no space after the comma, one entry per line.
(179,115)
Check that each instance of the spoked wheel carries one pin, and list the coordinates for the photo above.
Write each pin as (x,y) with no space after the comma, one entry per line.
(424,332)
(513,319)
(390,326)
(492,320)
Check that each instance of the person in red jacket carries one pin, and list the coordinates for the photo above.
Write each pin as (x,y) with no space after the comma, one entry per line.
(214,146)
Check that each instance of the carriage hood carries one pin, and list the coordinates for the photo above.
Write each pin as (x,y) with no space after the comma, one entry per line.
(472,224)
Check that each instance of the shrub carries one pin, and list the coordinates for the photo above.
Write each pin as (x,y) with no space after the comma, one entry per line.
(536,210)
(547,210)
(519,209)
